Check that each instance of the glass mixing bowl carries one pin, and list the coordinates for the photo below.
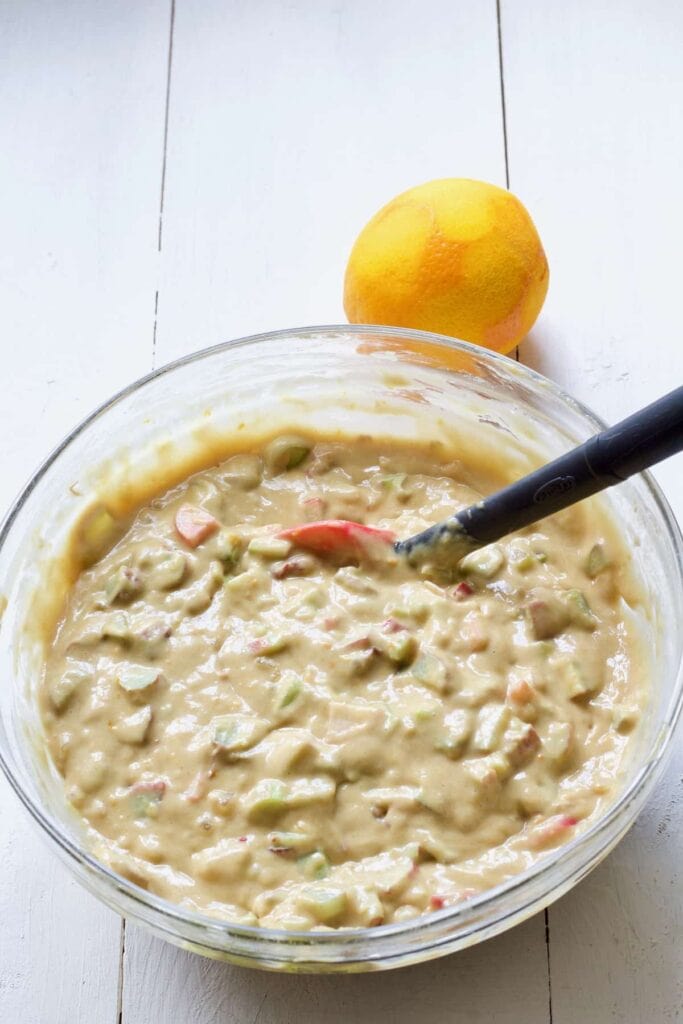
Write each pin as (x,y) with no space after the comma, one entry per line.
(389,382)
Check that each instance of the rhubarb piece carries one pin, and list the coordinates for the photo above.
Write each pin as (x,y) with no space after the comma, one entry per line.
(458,731)
(520,742)
(289,689)
(144,798)
(194,524)
(243,472)
(123,585)
(235,733)
(314,865)
(399,648)
(286,452)
(325,904)
(298,565)
(228,547)
(289,842)
(133,728)
(486,562)
(558,742)
(579,610)
(579,683)
(597,561)
(137,677)
(243,583)
(266,799)
(269,547)
(491,725)
(223,862)
(310,791)
(116,627)
(474,633)
(62,688)
(341,538)
(431,671)
(272,643)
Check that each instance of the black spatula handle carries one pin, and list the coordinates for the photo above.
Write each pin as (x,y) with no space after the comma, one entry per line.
(639,441)
(642,440)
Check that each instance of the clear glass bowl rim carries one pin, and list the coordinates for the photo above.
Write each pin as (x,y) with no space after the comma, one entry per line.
(346,940)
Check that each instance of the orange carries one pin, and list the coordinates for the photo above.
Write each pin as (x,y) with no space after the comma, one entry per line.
(454,256)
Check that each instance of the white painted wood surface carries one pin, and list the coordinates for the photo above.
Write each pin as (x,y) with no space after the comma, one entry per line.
(288,125)
(82,91)
(595,149)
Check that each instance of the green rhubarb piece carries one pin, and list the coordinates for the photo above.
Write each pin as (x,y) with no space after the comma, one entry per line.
(422,715)
(557,741)
(413,608)
(492,768)
(310,790)
(297,841)
(243,583)
(499,763)
(269,547)
(384,797)
(314,866)
(137,677)
(394,482)
(62,688)
(272,643)
(287,692)
(116,627)
(266,799)
(544,648)
(325,904)
(578,683)
(491,725)
(579,610)
(525,563)
(124,584)
(242,471)
(357,663)
(400,648)
(597,561)
(396,485)
(97,531)
(354,580)
(144,799)
(458,730)
(316,598)
(286,452)
(486,562)
(430,671)
(368,905)
(228,547)
(233,733)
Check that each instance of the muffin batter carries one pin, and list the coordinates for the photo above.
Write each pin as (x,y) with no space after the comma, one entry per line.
(279,738)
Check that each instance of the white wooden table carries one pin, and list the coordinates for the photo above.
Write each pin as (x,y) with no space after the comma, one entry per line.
(173,174)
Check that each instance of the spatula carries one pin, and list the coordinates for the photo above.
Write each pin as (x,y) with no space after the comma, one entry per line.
(608,458)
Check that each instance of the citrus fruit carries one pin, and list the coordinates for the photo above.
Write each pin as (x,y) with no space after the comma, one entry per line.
(454,256)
